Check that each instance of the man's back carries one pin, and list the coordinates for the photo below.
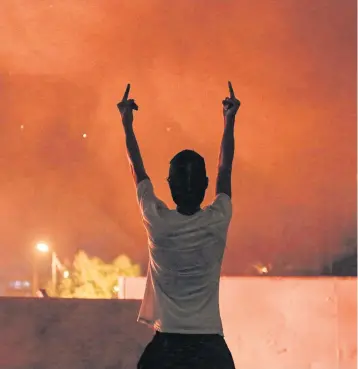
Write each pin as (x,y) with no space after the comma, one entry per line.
(185,256)
(186,248)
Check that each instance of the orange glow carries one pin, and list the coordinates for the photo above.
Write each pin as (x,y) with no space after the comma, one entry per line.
(292,64)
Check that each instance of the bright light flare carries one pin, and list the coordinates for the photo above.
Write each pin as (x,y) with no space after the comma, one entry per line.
(66,274)
(84,135)
(42,247)
(262,269)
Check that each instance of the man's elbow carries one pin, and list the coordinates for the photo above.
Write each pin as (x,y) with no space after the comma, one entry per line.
(225,170)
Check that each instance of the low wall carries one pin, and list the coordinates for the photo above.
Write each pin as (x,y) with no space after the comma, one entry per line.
(288,323)
(70,334)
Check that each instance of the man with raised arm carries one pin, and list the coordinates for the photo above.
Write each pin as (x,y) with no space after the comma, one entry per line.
(186,248)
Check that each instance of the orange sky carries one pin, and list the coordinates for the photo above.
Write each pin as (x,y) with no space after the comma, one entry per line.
(64,64)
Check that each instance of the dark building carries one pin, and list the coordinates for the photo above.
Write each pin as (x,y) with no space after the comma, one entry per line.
(345,267)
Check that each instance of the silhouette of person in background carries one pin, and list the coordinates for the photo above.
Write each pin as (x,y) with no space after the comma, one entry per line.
(186,248)
(42,293)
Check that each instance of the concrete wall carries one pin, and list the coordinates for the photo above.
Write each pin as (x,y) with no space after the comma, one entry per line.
(70,334)
(289,323)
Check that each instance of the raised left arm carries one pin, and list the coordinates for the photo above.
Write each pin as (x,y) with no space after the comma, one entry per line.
(126,107)
(134,155)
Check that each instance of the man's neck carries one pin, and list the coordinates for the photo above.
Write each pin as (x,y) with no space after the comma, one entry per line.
(188,211)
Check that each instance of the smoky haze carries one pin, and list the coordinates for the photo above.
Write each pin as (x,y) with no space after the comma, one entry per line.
(64,65)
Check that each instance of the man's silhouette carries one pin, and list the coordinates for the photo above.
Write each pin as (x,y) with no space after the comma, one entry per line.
(186,248)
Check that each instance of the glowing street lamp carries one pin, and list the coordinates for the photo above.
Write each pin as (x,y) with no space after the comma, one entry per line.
(42,247)
(55,263)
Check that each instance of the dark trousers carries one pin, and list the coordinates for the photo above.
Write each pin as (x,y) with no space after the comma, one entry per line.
(186,351)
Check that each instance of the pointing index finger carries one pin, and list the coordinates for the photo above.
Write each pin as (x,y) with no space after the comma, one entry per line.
(232,94)
(126,93)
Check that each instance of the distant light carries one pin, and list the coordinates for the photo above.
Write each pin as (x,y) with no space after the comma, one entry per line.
(42,247)
(84,135)
(116,288)
(22,127)
(262,269)
(19,284)
(66,274)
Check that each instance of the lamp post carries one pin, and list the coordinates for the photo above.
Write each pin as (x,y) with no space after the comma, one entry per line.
(44,248)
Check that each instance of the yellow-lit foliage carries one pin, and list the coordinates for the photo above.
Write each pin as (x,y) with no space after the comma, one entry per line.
(93,278)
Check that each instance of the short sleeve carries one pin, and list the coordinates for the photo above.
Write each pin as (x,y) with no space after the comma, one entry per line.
(222,206)
(150,206)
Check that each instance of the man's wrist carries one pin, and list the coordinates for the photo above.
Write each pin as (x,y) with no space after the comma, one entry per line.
(128,126)
(229,119)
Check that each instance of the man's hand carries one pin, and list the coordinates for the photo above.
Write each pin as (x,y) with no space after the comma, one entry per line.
(126,107)
(231,104)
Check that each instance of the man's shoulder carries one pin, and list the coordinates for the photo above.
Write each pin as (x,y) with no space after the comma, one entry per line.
(222,205)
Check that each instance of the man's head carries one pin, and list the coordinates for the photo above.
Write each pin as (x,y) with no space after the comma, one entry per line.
(187,179)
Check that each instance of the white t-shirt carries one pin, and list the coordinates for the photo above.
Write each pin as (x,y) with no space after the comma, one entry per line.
(185,257)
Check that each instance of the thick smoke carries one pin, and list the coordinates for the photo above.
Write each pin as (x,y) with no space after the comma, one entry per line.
(63,66)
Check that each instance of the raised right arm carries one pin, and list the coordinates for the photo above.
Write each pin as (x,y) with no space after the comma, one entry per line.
(223,182)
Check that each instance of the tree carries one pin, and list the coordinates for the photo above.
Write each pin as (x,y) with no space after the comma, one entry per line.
(93,278)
